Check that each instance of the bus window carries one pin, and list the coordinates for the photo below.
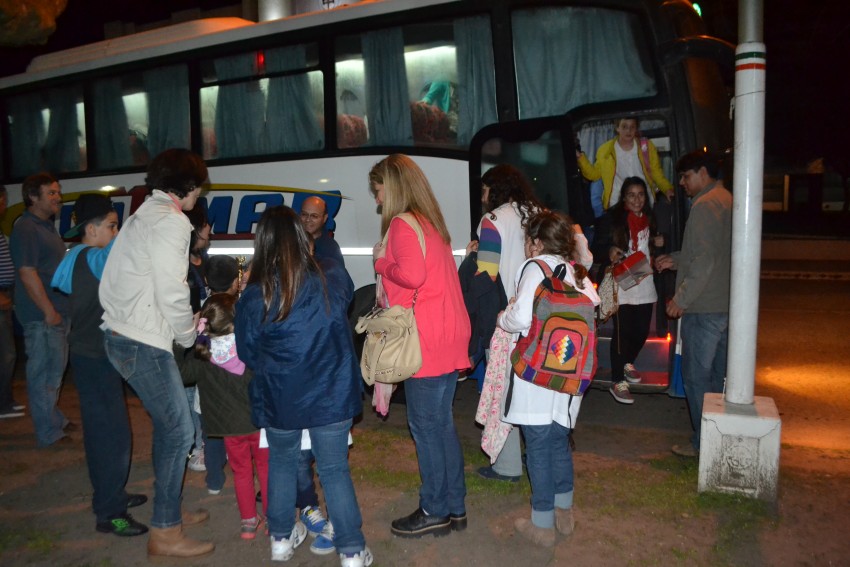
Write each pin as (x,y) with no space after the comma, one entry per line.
(165,121)
(567,57)
(119,108)
(543,150)
(137,116)
(710,101)
(423,84)
(267,102)
(48,131)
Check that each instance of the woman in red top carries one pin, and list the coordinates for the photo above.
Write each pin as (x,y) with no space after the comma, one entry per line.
(399,186)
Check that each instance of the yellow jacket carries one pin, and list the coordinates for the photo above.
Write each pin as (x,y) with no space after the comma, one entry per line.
(606,165)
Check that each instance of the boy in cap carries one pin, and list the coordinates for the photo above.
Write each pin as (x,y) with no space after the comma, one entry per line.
(106,425)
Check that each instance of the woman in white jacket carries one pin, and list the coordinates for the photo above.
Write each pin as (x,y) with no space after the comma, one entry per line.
(545,416)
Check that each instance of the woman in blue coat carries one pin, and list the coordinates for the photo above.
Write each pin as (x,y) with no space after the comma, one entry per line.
(292,331)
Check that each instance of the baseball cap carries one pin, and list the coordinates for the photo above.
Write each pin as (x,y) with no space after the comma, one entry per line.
(88,207)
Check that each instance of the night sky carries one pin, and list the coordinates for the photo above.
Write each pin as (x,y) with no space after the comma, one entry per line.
(808,46)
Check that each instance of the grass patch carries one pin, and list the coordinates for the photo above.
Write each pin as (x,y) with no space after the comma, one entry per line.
(36,541)
(667,491)
(386,458)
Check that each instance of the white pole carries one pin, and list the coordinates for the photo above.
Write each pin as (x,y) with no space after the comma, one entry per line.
(274,9)
(747,203)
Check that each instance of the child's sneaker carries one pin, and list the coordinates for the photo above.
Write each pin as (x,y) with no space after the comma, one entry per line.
(314,521)
(324,542)
(284,549)
(250,527)
(362,559)
(196,460)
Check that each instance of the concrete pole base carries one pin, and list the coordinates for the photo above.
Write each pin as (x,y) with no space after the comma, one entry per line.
(739,447)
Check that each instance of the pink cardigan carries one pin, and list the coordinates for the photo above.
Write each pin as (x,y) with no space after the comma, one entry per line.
(440,312)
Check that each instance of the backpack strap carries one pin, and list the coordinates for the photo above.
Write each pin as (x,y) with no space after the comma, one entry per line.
(544,267)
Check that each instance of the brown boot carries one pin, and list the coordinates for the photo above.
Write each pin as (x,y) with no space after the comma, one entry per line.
(199,516)
(540,536)
(171,542)
(565,521)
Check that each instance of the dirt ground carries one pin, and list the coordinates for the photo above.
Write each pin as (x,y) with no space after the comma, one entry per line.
(636,503)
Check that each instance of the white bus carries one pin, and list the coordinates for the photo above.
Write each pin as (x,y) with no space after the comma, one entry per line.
(307,104)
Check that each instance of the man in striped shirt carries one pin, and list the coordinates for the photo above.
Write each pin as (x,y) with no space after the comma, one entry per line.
(8,406)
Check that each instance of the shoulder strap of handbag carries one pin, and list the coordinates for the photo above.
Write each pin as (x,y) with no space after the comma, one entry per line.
(410,219)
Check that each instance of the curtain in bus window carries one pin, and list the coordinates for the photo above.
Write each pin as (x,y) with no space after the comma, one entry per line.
(291,124)
(387,101)
(476,82)
(110,125)
(240,110)
(27,134)
(566,57)
(593,135)
(62,147)
(168,108)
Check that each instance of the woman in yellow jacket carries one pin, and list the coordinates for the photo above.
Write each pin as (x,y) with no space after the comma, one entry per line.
(622,157)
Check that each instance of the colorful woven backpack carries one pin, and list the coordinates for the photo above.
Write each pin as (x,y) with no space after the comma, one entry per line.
(559,351)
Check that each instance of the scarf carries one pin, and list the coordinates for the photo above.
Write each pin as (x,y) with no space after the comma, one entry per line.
(637,224)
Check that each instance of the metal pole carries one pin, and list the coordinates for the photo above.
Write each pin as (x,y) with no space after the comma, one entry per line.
(747,203)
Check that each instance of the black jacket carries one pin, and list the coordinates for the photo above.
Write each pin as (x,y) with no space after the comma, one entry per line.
(224,396)
(484,299)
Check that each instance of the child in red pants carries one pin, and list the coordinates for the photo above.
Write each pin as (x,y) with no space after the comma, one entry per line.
(223,386)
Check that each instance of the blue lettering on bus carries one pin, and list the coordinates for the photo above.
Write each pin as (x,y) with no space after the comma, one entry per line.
(248,214)
(218,213)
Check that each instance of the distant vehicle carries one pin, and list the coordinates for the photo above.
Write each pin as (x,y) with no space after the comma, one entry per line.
(307,104)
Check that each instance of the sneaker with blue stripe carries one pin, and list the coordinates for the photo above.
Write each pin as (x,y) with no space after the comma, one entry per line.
(320,529)
(324,542)
(314,520)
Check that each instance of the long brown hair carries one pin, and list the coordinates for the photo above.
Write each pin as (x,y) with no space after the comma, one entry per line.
(508,185)
(217,314)
(555,231)
(619,214)
(406,190)
(282,259)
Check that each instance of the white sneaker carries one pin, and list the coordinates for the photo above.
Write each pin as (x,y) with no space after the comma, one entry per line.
(362,559)
(284,549)
(196,461)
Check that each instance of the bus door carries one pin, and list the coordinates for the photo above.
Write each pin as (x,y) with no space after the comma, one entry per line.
(545,151)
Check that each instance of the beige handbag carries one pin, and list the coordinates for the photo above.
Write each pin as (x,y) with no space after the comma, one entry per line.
(607,292)
(391,352)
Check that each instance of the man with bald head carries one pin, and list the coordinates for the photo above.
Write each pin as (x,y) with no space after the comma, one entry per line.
(314,216)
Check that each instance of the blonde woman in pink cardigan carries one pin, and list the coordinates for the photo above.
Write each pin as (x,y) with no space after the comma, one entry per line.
(399,186)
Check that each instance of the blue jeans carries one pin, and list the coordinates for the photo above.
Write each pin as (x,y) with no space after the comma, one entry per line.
(106,432)
(153,374)
(215,457)
(550,468)
(429,416)
(306,488)
(7,360)
(704,343)
(47,357)
(330,446)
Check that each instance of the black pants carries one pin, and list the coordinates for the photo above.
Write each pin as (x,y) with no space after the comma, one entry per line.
(631,328)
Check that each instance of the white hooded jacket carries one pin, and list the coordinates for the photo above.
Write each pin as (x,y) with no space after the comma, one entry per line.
(144,292)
